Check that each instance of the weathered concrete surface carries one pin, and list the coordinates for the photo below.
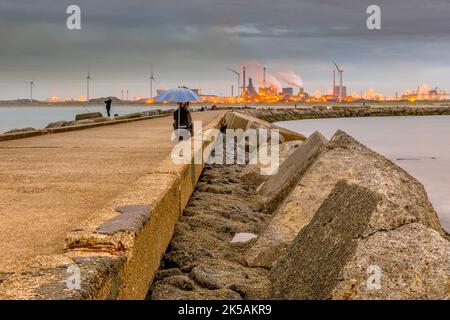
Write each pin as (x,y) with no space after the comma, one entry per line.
(343,159)
(202,262)
(23,130)
(277,186)
(90,115)
(251,174)
(85,124)
(57,124)
(75,181)
(270,243)
(357,232)
(236,120)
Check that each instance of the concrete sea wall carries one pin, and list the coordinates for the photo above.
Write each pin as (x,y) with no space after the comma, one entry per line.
(83,123)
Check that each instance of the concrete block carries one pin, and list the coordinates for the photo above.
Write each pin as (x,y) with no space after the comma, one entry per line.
(343,159)
(57,124)
(357,234)
(277,186)
(90,115)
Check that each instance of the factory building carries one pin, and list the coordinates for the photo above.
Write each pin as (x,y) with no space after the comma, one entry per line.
(251,91)
(288,91)
(337,90)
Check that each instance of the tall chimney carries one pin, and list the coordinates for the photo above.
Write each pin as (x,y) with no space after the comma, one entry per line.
(244,88)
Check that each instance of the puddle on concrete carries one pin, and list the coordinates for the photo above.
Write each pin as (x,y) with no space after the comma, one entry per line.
(243,237)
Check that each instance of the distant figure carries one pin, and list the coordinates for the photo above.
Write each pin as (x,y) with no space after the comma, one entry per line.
(213,107)
(108,106)
(182,118)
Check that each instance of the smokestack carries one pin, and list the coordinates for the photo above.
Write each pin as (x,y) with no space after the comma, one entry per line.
(264,77)
(244,89)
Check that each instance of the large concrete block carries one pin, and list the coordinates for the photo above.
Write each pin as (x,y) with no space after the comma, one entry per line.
(235,120)
(343,159)
(151,113)
(277,186)
(90,115)
(270,244)
(23,130)
(360,245)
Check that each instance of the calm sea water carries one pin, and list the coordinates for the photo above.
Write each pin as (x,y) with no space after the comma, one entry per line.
(420,145)
(39,117)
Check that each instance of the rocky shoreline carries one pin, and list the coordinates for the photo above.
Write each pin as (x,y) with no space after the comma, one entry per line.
(318,112)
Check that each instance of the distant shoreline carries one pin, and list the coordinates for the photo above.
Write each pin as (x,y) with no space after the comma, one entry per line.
(97,103)
(64,105)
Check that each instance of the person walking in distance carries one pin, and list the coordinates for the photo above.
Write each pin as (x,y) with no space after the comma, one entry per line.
(108,103)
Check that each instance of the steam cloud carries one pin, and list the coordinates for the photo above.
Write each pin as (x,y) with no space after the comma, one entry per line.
(291,78)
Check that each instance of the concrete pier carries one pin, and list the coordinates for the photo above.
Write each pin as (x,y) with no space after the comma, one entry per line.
(51,184)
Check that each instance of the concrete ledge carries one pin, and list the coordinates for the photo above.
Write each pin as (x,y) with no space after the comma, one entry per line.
(94,124)
(236,120)
(277,186)
(119,248)
(90,115)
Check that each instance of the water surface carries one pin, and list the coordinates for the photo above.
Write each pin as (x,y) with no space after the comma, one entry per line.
(420,145)
(40,117)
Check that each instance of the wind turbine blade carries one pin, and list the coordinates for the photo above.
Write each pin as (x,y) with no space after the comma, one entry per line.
(234,71)
(337,67)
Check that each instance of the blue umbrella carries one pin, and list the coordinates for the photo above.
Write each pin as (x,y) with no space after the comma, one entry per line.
(180,94)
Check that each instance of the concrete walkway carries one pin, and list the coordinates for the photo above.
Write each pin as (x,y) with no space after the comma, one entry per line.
(50,184)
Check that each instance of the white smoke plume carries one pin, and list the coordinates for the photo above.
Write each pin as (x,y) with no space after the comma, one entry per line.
(255,71)
(291,78)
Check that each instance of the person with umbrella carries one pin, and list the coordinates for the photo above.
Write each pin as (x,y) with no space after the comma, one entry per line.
(108,103)
(182,119)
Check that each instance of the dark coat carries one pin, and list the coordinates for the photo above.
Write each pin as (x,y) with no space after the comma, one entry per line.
(185,118)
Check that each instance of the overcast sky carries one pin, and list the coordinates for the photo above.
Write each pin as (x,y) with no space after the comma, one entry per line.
(190,42)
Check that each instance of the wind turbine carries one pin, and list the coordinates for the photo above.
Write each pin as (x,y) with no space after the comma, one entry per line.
(152,78)
(88,78)
(31,88)
(238,77)
(341,71)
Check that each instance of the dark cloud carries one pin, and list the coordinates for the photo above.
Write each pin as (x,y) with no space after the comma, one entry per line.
(190,42)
